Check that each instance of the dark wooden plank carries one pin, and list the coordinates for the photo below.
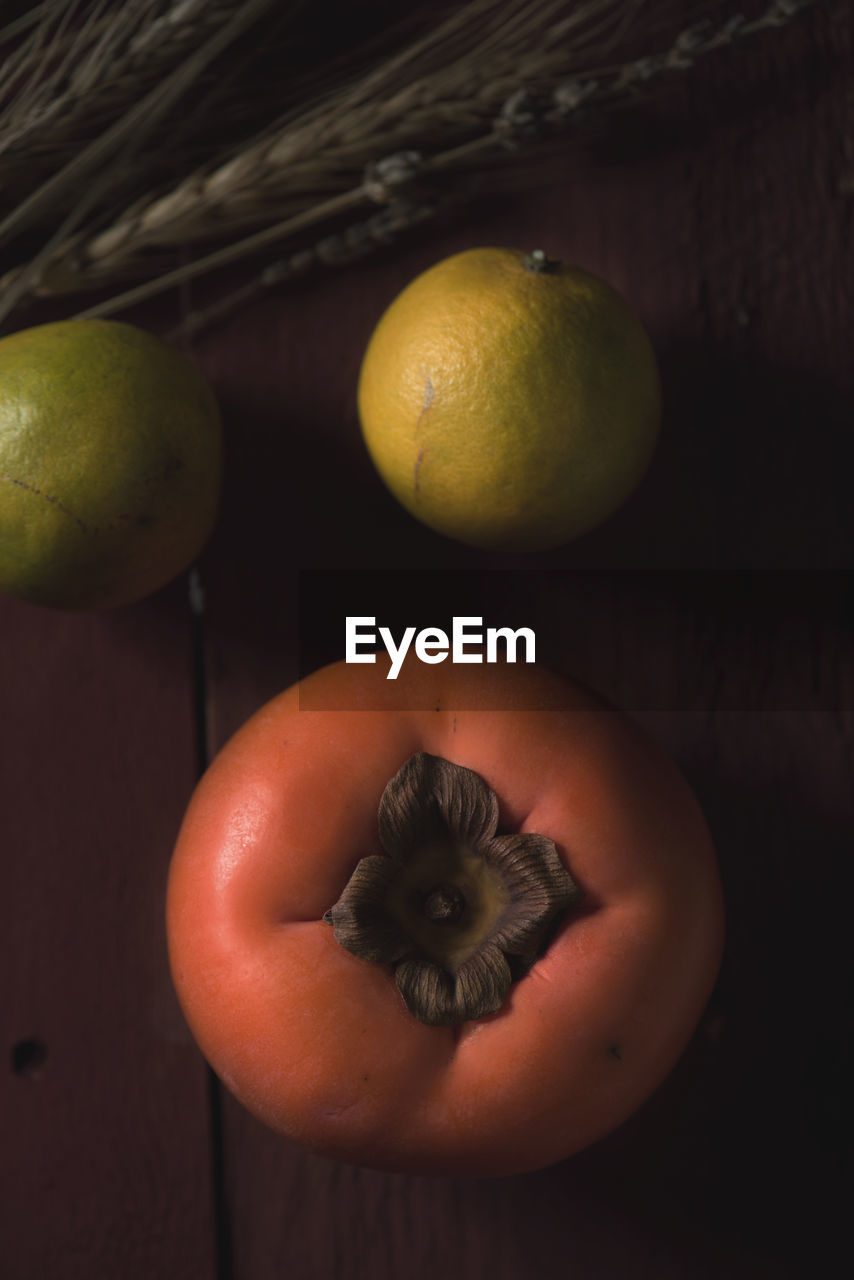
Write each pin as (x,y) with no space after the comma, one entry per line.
(735,1167)
(105,1160)
(721,210)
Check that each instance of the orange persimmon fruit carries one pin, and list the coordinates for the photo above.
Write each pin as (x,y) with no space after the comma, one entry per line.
(318,1041)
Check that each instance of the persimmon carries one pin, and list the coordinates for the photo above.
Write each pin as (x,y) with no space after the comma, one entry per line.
(464,922)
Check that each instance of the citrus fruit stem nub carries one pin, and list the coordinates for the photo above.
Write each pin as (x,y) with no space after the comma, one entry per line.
(539,261)
(509,399)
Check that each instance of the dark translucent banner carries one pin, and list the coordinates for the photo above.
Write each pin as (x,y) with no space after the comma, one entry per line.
(649,641)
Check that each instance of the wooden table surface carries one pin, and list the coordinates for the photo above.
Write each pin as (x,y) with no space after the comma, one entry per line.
(715,607)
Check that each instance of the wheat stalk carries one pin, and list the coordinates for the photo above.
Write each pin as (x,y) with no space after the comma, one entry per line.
(76,81)
(118,143)
(441,86)
(522,117)
(94,71)
(491,77)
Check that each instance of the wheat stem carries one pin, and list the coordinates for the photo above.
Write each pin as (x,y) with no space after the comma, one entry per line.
(520,120)
(230,253)
(135,123)
(478,89)
(107,63)
(332,141)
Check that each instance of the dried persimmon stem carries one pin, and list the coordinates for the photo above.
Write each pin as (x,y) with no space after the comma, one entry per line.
(452,900)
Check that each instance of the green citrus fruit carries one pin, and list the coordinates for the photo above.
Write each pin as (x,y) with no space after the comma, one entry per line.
(508,401)
(110,463)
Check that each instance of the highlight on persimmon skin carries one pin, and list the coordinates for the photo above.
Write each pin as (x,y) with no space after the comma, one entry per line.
(319,1042)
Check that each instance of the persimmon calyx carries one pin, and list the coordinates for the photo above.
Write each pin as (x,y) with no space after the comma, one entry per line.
(459,911)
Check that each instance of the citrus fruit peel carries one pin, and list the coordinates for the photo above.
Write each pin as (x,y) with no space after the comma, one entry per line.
(110,463)
(509,400)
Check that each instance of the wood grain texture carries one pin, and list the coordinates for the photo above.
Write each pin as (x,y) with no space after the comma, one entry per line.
(704,607)
(715,607)
(735,1167)
(105,1163)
